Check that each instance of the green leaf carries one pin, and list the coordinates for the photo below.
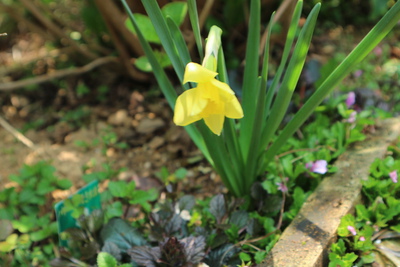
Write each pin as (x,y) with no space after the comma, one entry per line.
(113,250)
(347,220)
(260,256)
(239,218)
(114,210)
(44,187)
(217,207)
(396,228)
(194,21)
(339,247)
(269,225)
(25,223)
(28,195)
(250,87)
(9,244)
(222,255)
(64,183)
(90,177)
(121,188)
(7,213)
(143,197)
(368,258)
(298,199)
(164,34)
(143,64)
(41,234)
(176,11)
(187,202)
(362,213)
(122,234)
(74,204)
(244,256)
(350,258)
(106,260)
(181,173)
(146,27)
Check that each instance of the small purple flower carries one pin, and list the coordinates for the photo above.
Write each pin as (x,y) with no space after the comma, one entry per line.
(362,238)
(358,73)
(319,166)
(351,99)
(393,176)
(352,117)
(282,186)
(352,230)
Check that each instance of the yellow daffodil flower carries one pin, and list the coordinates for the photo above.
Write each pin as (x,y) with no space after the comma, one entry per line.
(211,100)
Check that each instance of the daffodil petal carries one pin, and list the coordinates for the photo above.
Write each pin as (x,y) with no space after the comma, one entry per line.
(223,87)
(197,73)
(209,91)
(233,109)
(215,123)
(188,107)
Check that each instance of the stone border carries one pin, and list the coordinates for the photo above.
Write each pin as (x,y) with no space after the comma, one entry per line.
(306,241)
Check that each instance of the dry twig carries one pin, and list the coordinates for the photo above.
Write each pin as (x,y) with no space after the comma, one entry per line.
(16,134)
(57,74)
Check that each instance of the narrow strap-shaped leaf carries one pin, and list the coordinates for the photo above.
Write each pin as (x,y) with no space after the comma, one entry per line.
(194,20)
(222,163)
(180,44)
(286,51)
(264,71)
(230,135)
(291,78)
(253,158)
(163,32)
(249,88)
(381,29)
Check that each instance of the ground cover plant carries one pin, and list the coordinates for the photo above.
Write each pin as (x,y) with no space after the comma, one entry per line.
(167,227)
(370,236)
(218,230)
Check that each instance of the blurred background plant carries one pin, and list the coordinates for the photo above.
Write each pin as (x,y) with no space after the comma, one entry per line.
(73,34)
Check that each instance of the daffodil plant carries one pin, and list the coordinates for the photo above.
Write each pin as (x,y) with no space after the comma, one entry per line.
(239,140)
